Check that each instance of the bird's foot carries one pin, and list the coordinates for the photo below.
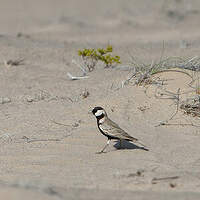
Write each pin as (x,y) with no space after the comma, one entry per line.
(100,152)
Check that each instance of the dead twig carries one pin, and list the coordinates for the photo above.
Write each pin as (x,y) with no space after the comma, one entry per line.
(137,174)
(43,140)
(58,123)
(156,180)
(6,135)
(176,124)
(16,62)
(28,140)
(76,77)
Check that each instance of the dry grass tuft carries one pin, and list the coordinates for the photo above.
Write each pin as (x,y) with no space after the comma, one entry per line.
(192,108)
(144,75)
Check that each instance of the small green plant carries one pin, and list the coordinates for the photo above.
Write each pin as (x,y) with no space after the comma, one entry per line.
(92,56)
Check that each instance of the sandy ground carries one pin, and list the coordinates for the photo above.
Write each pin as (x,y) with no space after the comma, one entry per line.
(60,162)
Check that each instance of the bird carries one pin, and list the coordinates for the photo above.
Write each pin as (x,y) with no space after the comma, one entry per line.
(110,129)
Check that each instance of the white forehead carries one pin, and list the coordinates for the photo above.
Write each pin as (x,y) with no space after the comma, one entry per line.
(99,113)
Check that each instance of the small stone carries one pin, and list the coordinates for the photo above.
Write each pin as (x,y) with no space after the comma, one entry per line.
(75,125)
(140,172)
(172,185)
(5,100)
(29,99)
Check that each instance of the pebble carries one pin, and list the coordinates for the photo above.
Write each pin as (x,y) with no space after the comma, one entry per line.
(29,99)
(4,100)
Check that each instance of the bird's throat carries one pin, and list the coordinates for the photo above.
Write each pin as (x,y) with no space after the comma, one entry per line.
(100,117)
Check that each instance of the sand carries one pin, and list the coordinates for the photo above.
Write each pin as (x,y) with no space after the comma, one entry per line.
(48,138)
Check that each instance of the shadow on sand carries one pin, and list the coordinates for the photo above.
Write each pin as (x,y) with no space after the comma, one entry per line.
(128,145)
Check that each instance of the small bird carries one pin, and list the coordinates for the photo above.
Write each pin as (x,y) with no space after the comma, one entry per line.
(110,129)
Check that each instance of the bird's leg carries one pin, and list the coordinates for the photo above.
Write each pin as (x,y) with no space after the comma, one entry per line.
(120,144)
(108,142)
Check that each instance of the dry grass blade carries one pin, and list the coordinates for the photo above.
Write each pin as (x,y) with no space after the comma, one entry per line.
(174,96)
(177,98)
(79,65)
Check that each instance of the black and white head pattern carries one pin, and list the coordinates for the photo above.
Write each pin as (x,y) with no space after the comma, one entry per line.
(99,112)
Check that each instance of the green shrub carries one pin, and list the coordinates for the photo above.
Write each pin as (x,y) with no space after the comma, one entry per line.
(92,56)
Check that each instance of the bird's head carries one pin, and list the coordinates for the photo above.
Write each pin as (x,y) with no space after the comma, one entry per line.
(99,112)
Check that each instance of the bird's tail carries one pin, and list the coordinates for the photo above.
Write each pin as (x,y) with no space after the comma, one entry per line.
(135,140)
(143,146)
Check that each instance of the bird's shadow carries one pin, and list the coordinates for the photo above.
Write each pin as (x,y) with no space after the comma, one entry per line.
(127,145)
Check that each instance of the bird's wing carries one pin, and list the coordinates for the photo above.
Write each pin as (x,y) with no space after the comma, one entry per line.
(112,129)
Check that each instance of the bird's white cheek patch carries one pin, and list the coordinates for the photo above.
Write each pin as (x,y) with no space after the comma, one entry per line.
(99,113)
